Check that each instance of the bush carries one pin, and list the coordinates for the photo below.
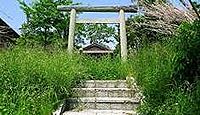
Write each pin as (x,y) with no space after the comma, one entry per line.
(168,74)
(187,44)
(153,69)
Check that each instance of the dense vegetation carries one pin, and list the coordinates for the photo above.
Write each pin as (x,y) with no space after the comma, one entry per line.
(35,81)
(168,74)
(48,27)
(45,25)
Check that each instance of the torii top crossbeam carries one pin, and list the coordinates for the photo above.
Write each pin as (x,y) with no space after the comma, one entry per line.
(131,8)
(120,21)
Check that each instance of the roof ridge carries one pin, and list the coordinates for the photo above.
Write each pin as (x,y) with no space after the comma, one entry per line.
(9,25)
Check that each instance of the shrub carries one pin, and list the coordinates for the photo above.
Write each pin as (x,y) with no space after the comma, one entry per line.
(168,74)
(187,45)
(153,69)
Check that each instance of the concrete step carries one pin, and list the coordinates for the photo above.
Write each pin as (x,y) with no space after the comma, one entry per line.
(105,84)
(102,97)
(100,112)
(104,92)
(104,103)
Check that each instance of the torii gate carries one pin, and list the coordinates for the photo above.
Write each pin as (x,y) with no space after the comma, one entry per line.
(120,20)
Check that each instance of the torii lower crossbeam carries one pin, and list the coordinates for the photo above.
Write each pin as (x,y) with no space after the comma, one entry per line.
(120,21)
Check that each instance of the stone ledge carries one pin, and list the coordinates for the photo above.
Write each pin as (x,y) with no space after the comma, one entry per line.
(101,112)
(105,100)
(105,89)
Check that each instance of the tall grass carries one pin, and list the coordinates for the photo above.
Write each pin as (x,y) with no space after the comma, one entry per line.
(106,68)
(153,68)
(34,81)
(168,74)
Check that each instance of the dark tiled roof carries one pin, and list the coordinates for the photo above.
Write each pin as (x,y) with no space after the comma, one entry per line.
(11,31)
(100,46)
(8,34)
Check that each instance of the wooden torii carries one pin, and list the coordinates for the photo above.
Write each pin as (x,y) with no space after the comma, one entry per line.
(120,21)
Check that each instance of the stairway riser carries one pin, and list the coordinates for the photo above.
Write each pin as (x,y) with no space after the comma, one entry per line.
(107,106)
(111,112)
(106,85)
(104,93)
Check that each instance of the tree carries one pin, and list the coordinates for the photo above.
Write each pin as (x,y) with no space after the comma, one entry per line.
(191,6)
(45,24)
(197,5)
(159,20)
(95,33)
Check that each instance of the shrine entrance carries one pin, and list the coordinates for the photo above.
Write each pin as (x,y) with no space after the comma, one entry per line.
(120,21)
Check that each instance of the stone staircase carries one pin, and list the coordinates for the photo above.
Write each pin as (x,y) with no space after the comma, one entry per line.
(98,97)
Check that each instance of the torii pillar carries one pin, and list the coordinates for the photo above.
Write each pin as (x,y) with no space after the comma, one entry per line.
(71,31)
(120,21)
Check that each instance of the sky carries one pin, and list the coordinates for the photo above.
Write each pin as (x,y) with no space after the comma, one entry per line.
(11,13)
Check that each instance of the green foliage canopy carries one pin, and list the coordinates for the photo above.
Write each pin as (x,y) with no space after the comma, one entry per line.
(45,24)
(96,33)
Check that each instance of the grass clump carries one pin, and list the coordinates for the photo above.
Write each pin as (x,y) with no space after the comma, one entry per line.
(33,81)
(168,74)
(105,68)
(153,69)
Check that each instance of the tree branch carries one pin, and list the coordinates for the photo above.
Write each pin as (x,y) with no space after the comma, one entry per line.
(194,8)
